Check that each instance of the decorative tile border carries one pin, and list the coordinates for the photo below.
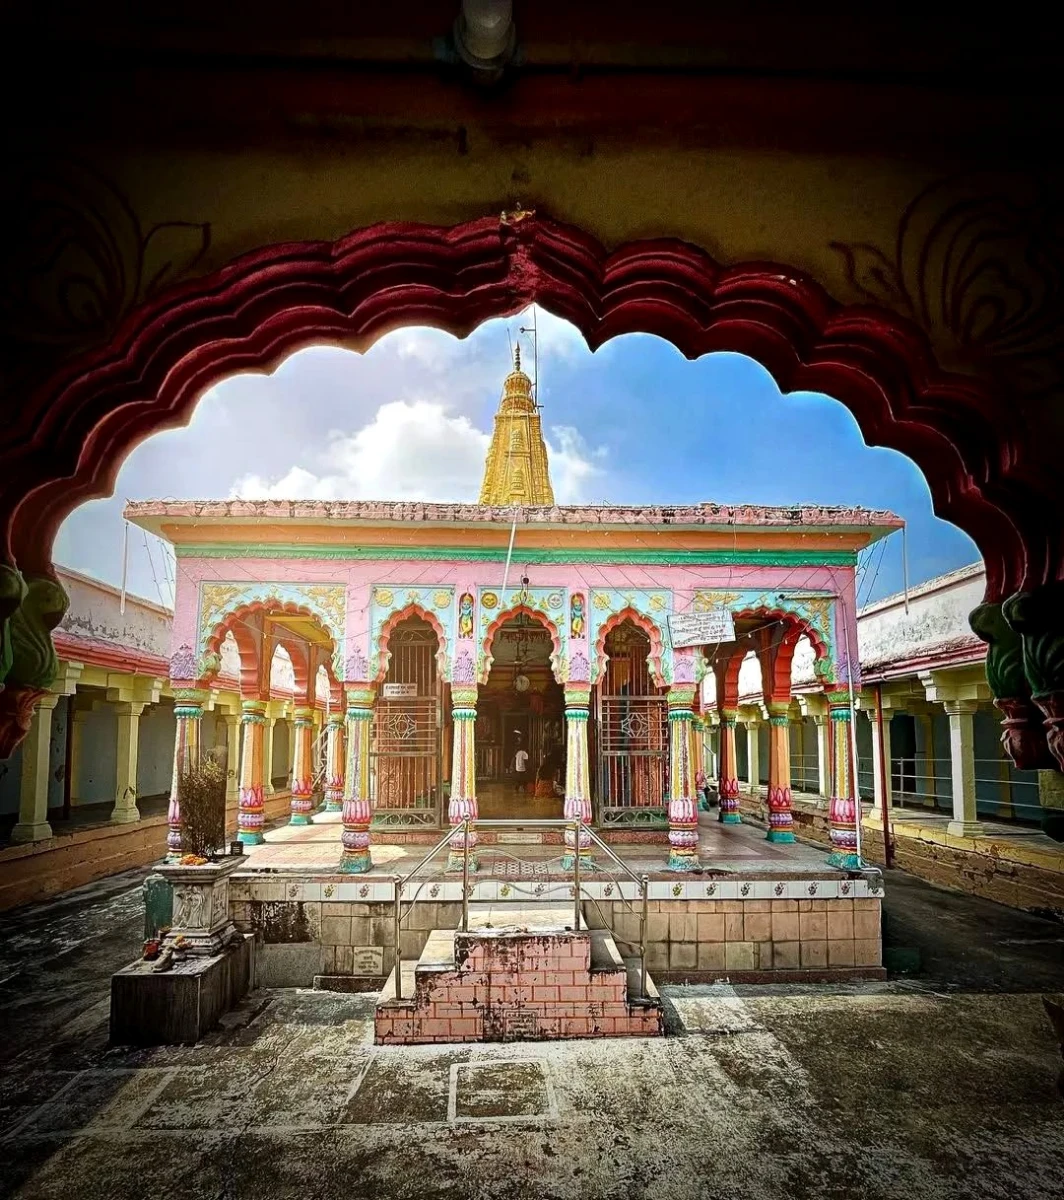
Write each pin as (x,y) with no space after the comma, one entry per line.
(274,888)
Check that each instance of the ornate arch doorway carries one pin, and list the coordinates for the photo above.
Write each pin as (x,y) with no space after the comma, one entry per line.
(630,734)
(406,750)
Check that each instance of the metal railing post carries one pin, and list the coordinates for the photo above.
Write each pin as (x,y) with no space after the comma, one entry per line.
(465,875)
(398,958)
(576,876)
(644,884)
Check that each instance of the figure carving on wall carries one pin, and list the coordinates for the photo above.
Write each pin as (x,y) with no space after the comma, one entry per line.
(576,615)
(465,616)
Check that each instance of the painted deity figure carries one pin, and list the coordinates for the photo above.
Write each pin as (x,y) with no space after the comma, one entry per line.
(576,616)
(465,616)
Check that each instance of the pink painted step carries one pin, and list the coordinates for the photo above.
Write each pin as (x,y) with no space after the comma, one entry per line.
(517,975)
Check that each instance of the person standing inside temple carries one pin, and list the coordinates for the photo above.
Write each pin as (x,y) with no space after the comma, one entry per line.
(521,769)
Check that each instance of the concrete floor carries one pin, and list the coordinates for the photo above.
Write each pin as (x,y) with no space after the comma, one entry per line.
(938,1085)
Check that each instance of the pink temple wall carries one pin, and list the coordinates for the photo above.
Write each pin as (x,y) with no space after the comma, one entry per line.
(361,576)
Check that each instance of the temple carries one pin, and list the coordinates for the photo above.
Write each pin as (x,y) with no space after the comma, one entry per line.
(517,659)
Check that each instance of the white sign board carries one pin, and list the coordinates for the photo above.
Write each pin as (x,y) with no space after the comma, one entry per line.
(701,629)
(398,691)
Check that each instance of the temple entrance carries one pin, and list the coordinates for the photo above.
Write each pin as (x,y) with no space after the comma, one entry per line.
(521,723)
(406,746)
(631,734)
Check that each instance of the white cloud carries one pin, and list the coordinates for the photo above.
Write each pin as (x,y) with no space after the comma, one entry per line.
(418,450)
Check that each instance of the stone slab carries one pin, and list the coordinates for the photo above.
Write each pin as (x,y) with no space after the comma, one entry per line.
(288,964)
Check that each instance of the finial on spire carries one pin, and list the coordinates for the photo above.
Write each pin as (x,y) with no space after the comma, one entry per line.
(517,356)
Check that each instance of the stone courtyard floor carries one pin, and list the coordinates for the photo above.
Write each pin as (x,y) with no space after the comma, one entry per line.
(937,1085)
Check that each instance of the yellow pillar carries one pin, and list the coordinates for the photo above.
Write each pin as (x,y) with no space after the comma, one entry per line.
(334,772)
(232,768)
(463,804)
(267,755)
(33,787)
(303,767)
(127,715)
(251,817)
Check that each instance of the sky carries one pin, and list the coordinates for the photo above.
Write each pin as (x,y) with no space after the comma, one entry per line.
(633,423)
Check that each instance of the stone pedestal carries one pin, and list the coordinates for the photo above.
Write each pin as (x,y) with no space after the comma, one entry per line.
(201,905)
(150,1008)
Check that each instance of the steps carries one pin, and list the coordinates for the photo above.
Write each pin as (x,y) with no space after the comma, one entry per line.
(519,974)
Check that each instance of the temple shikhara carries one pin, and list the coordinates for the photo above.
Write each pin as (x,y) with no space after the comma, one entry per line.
(517,658)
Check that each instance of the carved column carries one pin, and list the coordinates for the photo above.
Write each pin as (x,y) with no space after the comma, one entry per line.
(188,711)
(303,767)
(127,720)
(728,784)
(780,816)
(463,802)
(577,774)
(232,772)
(843,807)
(334,771)
(357,810)
(823,753)
(965,821)
(751,723)
(683,803)
(251,815)
(32,823)
(269,725)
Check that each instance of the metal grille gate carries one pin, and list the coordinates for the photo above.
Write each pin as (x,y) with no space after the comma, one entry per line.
(406,747)
(631,735)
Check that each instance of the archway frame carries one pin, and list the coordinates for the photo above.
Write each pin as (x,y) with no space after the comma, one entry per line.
(69,441)
(413,609)
(557,653)
(656,657)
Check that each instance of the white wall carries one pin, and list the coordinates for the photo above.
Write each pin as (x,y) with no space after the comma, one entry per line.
(94,612)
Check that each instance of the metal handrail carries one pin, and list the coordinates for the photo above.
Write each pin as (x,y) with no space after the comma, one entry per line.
(578,826)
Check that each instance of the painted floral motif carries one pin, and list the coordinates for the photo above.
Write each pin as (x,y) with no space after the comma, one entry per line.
(464,669)
(601,602)
(183,663)
(812,889)
(778,889)
(327,890)
(554,601)
(363,891)
(357,670)
(844,887)
(579,668)
(711,889)
(441,599)
(745,889)
(384,597)
(658,603)
(677,889)
(489,600)
(434,891)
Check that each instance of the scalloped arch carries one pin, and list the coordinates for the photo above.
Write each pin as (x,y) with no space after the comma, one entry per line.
(487,658)
(817,637)
(657,645)
(384,654)
(236,621)
(66,444)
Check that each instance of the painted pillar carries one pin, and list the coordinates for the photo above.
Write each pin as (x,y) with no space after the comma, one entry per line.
(753,764)
(683,803)
(965,821)
(188,711)
(728,785)
(780,815)
(78,717)
(882,789)
(32,823)
(334,768)
(267,755)
(357,810)
(577,774)
(251,814)
(823,753)
(303,767)
(127,721)
(463,802)
(232,771)
(843,806)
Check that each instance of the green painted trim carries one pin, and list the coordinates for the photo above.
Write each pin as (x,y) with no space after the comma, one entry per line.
(767,558)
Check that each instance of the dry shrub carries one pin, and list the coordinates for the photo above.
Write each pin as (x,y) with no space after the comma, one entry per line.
(201,795)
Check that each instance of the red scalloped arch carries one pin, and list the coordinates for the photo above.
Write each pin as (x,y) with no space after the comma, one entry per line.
(388,628)
(235,622)
(67,443)
(508,615)
(646,625)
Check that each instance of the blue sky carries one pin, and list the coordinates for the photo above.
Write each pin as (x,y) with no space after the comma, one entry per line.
(633,423)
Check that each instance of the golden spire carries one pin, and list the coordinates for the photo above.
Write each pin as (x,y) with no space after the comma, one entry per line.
(516,468)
